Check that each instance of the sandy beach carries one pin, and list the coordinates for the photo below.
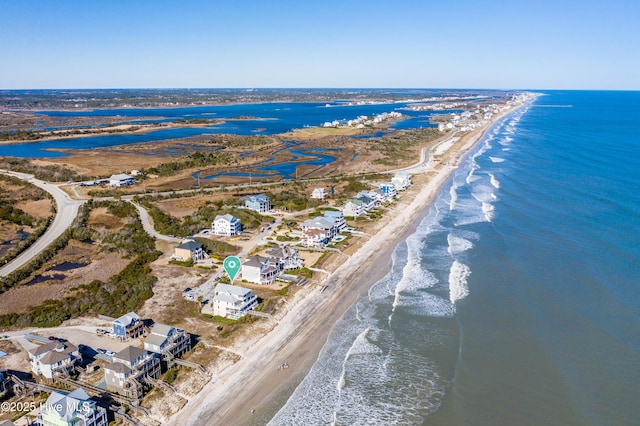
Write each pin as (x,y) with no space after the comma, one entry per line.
(255,380)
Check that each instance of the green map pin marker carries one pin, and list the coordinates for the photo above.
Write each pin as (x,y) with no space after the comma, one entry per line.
(232,266)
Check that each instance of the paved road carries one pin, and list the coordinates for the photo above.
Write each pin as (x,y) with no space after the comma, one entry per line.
(425,156)
(67,209)
(148,227)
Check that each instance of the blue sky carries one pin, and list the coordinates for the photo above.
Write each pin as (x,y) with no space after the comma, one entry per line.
(284,43)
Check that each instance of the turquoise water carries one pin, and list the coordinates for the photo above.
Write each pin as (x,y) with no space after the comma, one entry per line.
(516,300)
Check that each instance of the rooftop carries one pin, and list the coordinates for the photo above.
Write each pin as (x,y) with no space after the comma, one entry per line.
(129,353)
(232,289)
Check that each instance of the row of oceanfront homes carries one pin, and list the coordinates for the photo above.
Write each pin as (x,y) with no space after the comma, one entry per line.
(126,374)
(124,377)
(315,233)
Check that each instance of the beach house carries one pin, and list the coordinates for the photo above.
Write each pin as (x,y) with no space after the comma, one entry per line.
(71,409)
(231,301)
(389,188)
(128,326)
(314,238)
(401,180)
(126,374)
(166,339)
(337,218)
(259,270)
(121,180)
(371,198)
(226,225)
(189,249)
(285,257)
(260,203)
(353,208)
(319,194)
(53,357)
(326,225)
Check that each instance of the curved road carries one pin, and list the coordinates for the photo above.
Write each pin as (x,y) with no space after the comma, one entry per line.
(67,209)
(148,226)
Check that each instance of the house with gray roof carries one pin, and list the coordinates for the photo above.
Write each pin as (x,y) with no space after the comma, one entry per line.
(189,249)
(232,301)
(126,374)
(169,340)
(285,257)
(354,208)
(53,357)
(259,270)
(71,409)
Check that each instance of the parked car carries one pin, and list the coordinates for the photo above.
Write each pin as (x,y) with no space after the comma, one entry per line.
(110,353)
(101,351)
(52,338)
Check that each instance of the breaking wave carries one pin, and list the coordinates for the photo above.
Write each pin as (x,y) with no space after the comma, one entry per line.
(458,275)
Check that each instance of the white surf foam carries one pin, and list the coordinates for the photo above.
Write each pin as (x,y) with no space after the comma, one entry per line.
(489,211)
(454,197)
(414,277)
(469,211)
(458,275)
(496,159)
(427,304)
(471,176)
(458,244)
(494,182)
(362,345)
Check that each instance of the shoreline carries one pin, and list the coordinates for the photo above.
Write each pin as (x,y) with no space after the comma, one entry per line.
(301,334)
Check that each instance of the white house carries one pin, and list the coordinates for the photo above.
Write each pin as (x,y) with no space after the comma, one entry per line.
(314,238)
(53,357)
(260,203)
(226,225)
(402,180)
(73,409)
(319,194)
(285,257)
(369,203)
(353,208)
(121,180)
(328,225)
(233,301)
(337,218)
(167,339)
(259,270)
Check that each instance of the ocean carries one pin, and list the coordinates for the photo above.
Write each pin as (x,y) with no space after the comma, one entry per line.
(515,301)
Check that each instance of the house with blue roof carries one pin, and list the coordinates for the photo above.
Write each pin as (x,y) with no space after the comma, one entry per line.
(260,203)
